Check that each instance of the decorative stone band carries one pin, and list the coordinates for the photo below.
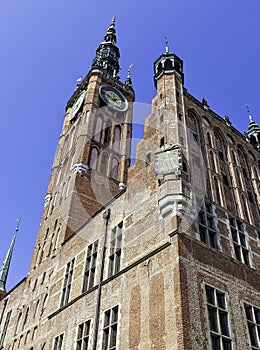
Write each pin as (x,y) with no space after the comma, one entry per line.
(47,199)
(79,168)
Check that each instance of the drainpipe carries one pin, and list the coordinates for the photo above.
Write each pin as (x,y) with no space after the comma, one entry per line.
(106,217)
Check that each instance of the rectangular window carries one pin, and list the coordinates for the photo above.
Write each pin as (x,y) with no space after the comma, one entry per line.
(58,342)
(239,241)
(67,283)
(90,268)
(110,329)
(218,319)
(207,229)
(4,331)
(83,336)
(253,324)
(115,250)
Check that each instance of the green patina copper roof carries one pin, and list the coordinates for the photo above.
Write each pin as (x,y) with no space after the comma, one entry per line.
(6,265)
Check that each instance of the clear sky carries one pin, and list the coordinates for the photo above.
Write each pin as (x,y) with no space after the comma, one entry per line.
(46,45)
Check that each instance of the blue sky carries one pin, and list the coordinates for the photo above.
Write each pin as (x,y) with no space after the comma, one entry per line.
(47,45)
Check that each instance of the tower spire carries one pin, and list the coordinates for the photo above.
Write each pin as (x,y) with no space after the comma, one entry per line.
(6,264)
(107,53)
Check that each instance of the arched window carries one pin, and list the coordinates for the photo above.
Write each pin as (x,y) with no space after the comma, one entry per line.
(94,158)
(209,139)
(233,156)
(98,129)
(87,117)
(117,137)
(104,163)
(212,161)
(239,182)
(44,303)
(25,318)
(159,67)
(245,206)
(114,168)
(51,244)
(36,308)
(18,323)
(168,64)
(217,189)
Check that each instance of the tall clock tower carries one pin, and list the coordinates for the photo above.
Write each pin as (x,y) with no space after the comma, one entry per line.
(93,154)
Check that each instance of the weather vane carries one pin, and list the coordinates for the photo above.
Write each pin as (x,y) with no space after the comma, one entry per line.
(249,114)
(18,225)
(129,69)
(167,44)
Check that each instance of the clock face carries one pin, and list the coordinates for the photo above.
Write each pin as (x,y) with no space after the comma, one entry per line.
(113,98)
(76,106)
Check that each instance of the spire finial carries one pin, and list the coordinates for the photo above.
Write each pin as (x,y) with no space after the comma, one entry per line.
(166,44)
(107,53)
(17,225)
(129,70)
(249,114)
(6,264)
(128,80)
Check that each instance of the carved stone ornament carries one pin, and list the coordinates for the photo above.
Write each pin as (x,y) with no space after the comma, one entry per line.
(47,199)
(79,168)
(168,161)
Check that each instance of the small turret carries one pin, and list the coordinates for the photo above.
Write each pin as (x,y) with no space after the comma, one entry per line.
(253,133)
(167,63)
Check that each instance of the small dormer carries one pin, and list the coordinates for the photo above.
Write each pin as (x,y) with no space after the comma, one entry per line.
(253,133)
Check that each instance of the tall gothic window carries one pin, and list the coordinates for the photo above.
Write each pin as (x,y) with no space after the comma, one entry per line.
(207,229)
(67,283)
(253,325)
(220,337)
(4,331)
(217,190)
(239,241)
(98,129)
(117,137)
(94,158)
(114,168)
(90,267)
(115,250)
(104,163)
(110,329)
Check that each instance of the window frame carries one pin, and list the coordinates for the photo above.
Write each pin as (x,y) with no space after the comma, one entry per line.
(240,246)
(80,345)
(90,266)
(115,250)
(254,324)
(58,342)
(221,317)
(208,226)
(109,327)
(67,283)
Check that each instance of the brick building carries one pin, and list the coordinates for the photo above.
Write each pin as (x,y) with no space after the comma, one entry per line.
(160,254)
